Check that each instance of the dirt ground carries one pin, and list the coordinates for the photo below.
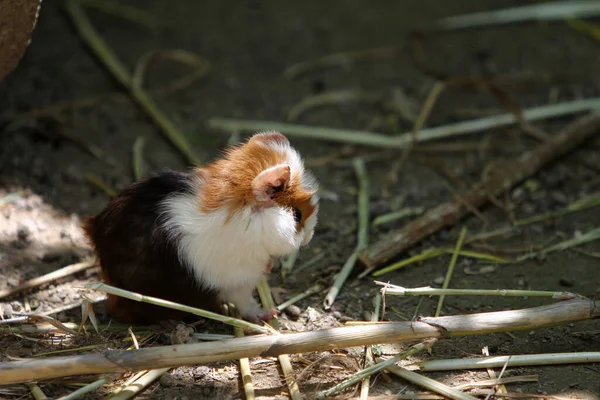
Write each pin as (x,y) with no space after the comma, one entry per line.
(249,45)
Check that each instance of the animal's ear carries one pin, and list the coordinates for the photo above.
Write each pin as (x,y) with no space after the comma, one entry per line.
(269,182)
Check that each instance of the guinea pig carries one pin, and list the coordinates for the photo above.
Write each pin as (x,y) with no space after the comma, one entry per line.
(206,236)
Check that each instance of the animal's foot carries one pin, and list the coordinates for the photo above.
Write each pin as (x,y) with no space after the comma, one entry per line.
(258,314)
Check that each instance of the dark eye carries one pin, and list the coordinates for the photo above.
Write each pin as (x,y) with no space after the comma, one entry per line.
(297,215)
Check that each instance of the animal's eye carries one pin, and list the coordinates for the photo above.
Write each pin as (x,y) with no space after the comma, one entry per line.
(297,215)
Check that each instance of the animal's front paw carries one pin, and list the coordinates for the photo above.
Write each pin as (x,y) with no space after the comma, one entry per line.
(259,314)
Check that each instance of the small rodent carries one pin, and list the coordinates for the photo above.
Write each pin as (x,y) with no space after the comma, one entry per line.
(206,236)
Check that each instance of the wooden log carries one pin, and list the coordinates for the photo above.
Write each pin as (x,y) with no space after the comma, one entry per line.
(498,181)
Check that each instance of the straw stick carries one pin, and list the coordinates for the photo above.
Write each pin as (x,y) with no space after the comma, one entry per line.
(357,377)
(547,11)
(429,384)
(103,287)
(589,236)
(311,290)
(288,263)
(450,271)
(119,71)
(396,215)
(364,387)
(138,158)
(449,213)
(137,385)
(429,291)
(400,141)
(264,291)
(563,312)
(333,60)
(50,277)
(432,253)
(85,390)
(523,360)
(579,205)
(99,183)
(36,391)
(245,369)
(363,232)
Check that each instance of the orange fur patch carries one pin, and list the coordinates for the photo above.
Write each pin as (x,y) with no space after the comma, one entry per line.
(228,181)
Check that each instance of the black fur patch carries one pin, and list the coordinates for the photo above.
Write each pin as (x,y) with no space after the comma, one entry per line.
(136,254)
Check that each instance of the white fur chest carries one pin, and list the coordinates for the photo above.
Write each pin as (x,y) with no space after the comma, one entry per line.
(228,253)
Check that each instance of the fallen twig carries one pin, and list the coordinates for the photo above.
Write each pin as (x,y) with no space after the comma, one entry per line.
(579,205)
(432,253)
(138,158)
(363,232)
(266,299)
(547,11)
(449,213)
(245,369)
(311,290)
(36,391)
(138,384)
(364,386)
(400,141)
(450,271)
(430,384)
(50,277)
(589,236)
(563,312)
(287,264)
(103,287)
(84,390)
(357,377)
(513,361)
(497,381)
(333,60)
(99,183)
(429,291)
(110,60)
(396,215)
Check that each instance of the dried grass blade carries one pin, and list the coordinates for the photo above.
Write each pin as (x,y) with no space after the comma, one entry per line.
(363,232)
(429,383)
(524,360)
(85,390)
(357,377)
(547,11)
(103,287)
(264,291)
(450,271)
(110,60)
(50,277)
(136,386)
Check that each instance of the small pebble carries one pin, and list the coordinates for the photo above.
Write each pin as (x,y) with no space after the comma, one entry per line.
(200,372)
(439,281)
(293,312)
(313,314)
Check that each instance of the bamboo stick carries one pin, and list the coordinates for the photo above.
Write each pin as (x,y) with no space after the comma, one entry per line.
(563,312)
(521,360)
(447,214)
(372,139)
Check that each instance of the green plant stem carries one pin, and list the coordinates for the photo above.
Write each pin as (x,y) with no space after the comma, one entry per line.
(450,271)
